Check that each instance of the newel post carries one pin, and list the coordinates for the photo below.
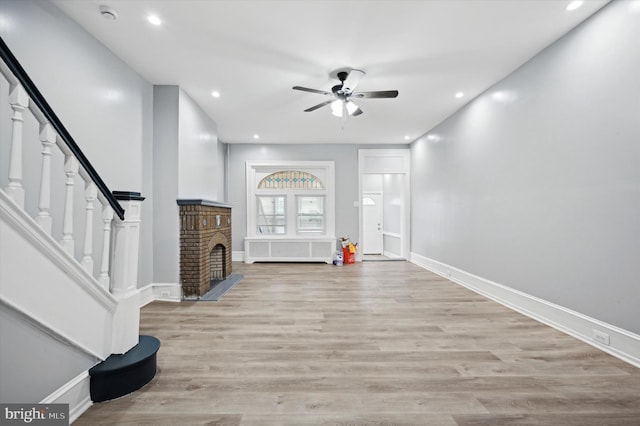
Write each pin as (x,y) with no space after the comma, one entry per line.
(124,272)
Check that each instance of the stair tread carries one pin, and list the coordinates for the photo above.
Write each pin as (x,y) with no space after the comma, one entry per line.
(147,347)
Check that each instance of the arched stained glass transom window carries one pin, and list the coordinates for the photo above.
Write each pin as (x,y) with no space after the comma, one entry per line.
(290,179)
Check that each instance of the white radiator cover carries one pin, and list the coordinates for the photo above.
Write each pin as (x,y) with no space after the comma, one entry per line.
(289,249)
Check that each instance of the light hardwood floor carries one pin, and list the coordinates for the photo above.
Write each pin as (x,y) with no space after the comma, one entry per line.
(374,343)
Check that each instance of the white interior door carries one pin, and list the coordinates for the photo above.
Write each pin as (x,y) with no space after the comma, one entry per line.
(372,223)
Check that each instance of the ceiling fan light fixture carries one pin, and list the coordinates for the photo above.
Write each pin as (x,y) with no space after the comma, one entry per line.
(338,105)
(336,108)
(351,107)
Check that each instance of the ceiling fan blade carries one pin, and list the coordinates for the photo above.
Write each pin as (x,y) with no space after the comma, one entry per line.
(357,112)
(306,89)
(379,94)
(352,81)
(315,107)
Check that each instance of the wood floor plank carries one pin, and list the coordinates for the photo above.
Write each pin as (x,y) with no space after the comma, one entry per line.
(555,419)
(406,419)
(377,343)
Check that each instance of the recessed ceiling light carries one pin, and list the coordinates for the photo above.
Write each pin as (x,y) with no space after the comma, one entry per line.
(574,5)
(215,94)
(256,136)
(153,19)
(407,137)
(459,94)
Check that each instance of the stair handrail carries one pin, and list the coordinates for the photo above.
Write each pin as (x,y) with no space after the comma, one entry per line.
(41,103)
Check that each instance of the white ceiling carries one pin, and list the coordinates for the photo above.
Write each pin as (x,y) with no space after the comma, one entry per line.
(254,51)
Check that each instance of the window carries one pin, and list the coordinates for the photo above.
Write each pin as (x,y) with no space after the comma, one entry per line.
(290,199)
(271,215)
(293,179)
(310,214)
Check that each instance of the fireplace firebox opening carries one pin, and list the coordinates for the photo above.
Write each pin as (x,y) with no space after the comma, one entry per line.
(216,263)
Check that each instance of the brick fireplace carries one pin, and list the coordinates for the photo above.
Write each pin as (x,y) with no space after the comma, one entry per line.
(205,245)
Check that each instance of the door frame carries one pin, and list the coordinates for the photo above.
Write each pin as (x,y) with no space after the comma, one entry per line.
(388,161)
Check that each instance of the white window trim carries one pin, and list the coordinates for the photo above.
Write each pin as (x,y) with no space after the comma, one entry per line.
(324,168)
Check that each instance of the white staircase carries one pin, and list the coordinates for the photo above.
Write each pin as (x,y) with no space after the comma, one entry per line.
(67,269)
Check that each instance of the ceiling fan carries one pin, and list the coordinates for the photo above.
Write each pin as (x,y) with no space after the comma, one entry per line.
(341,94)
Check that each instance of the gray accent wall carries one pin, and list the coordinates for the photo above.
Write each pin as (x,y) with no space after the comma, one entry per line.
(100,100)
(107,108)
(345,157)
(166,249)
(186,164)
(114,117)
(535,184)
(105,105)
(222,168)
(199,174)
(33,364)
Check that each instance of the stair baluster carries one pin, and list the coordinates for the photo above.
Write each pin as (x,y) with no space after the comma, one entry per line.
(107,217)
(90,194)
(48,139)
(19,101)
(71,170)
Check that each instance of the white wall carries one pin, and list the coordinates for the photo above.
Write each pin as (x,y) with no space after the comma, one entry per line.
(535,184)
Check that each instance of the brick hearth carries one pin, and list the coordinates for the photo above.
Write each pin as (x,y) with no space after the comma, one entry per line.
(205,245)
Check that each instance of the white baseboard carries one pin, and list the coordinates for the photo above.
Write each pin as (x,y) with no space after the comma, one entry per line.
(76,393)
(391,255)
(166,292)
(623,344)
(146,295)
(237,256)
